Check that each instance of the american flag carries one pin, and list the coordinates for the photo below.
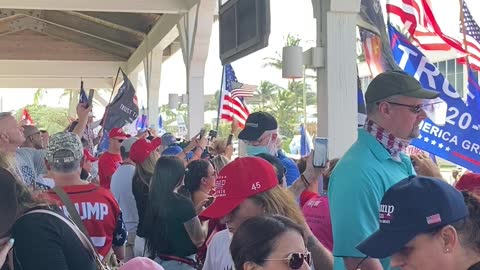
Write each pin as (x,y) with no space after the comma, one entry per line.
(472,37)
(434,219)
(242,90)
(231,107)
(83,96)
(417,17)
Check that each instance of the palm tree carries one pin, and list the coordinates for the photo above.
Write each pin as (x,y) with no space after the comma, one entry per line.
(265,92)
(212,105)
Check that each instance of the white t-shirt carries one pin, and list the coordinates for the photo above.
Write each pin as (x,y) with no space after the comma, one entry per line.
(121,187)
(31,164)
(49,182)
(218,252)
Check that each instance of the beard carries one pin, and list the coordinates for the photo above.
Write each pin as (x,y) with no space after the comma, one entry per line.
(415,132)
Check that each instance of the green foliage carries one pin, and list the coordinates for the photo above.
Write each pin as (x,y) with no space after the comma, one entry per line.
(52,119)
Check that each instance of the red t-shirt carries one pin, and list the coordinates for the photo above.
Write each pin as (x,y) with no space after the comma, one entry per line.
(107,165)
(317,214)
(98,210)
(305,196)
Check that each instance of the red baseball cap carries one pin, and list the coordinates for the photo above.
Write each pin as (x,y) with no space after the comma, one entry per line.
(239,180)
(89,156)
(142,148)
(469,182)
(118,133)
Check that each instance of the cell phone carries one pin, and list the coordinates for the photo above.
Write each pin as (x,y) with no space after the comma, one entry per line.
(320,156)
(202,133)
(210,201)
(90,97)
(229,140)
(212,134)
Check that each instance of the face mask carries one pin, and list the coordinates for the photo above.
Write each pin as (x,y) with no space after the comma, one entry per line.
(267,149)
(255,150)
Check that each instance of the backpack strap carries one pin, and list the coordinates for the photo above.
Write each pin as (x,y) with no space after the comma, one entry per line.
(72,211)
(84,239)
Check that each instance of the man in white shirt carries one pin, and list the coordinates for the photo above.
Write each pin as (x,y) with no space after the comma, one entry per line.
(121,187)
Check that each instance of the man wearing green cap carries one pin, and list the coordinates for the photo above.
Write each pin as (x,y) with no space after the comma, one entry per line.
(376,161)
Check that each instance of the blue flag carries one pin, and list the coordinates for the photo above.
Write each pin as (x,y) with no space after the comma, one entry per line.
(142,121)
(160,122)
(103,144)
(457,141)
(83,96)
(473,95)
(362,110)
(304,141)
(124,107)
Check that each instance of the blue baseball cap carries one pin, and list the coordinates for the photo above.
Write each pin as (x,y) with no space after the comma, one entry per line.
(168,139)
(172,150)
(413,206)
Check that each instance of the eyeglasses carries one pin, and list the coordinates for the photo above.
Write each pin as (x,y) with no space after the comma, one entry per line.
(295,260)
(413,108)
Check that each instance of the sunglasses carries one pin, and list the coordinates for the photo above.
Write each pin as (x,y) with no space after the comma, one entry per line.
(120,141)
(295,260)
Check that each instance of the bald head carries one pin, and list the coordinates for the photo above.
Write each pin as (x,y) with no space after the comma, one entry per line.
(11,134)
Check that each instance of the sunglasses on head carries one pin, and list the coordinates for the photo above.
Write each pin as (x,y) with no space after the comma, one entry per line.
(295,260)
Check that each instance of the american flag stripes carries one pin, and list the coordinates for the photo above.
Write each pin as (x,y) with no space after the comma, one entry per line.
(242,90)
(434,219)
(231,107)
(472,37)
(418,19)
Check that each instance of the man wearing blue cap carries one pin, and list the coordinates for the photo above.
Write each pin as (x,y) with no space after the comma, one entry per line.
(374,163)
(425,224)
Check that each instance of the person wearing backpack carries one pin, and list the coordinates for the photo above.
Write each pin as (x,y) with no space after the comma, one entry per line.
(93,208)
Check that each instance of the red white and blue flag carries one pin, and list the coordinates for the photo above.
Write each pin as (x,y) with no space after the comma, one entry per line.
(472,37)
(418,19)
(232,106)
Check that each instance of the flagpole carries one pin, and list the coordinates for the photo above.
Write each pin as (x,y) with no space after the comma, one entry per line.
(220,99)
(110,100)
(304,90)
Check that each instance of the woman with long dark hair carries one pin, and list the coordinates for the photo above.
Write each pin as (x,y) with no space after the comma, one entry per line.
(199,185)
(172,228)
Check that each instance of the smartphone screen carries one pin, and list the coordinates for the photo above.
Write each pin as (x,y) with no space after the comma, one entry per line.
(320,156)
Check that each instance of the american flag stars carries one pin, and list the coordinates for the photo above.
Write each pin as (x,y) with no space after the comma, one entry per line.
(435,143)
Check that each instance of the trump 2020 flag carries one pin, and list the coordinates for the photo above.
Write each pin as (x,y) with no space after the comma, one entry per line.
(457,141)
(124,107)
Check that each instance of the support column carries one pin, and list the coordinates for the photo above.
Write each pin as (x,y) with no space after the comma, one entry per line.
(195,29)
(153,68)
(337,80)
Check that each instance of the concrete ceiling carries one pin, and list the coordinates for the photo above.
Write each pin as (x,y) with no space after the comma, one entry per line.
(71,35)
(62,34)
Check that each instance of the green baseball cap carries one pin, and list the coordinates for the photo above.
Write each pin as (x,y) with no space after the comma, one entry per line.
(396,82)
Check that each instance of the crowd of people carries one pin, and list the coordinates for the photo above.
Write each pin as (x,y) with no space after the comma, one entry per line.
(155,202)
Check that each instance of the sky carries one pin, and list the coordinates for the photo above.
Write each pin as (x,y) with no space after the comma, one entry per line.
(287,16)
